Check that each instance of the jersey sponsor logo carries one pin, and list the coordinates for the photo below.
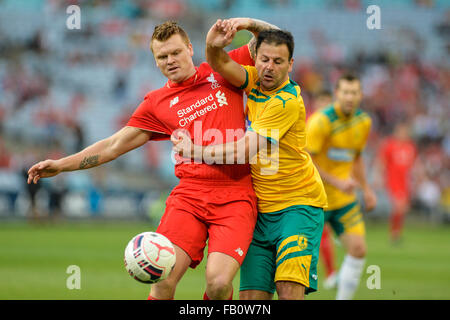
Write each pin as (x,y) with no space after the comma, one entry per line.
(221,98)
(201,107)
(214,83)
(340,154)
(173,102)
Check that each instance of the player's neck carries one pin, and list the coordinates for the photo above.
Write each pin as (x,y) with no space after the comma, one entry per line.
(341,112)
(275,88)
(191,75)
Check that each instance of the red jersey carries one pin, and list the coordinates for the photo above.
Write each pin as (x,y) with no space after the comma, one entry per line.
(398,157)
(207,106)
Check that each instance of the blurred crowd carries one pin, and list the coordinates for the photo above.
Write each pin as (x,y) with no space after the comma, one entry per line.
(61,90)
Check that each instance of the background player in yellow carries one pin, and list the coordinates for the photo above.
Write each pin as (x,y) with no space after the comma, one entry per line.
(336,137)
(284,252)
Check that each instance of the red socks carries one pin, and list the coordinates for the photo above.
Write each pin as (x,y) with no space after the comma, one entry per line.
(327,252)
(396,224)
(153,298)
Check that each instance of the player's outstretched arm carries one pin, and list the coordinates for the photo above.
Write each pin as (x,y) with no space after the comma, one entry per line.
(126,139)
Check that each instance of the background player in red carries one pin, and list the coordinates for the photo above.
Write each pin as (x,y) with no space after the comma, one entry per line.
(397,155)
(211,202)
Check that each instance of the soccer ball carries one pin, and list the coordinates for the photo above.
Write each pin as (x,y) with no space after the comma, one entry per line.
(149,257)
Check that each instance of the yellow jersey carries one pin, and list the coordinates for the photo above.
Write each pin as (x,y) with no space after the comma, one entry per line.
(336,140)
(284,174)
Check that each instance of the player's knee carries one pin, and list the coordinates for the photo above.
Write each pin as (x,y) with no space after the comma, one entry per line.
(290,295)
(358,250)
(288,290)
(218,287)
(164,289)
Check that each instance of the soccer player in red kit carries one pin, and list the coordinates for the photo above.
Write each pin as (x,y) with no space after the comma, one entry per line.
(397,156)
(211,202)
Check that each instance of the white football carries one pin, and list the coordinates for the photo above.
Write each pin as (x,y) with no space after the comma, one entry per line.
(149,257)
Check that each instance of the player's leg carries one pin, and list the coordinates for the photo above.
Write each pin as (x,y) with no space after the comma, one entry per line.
(255,295)
(351,233)
(220,272)
(289,290)
(187,233)
(165,289)
(258,272)
(258,267)
(297,251)
(231,219)
(327,256)
(399,208)
(352,266)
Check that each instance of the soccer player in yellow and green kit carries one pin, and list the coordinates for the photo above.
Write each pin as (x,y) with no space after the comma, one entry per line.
(336,137)
(285,247)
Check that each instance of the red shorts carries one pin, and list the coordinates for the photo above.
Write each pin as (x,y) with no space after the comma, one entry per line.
(223,212)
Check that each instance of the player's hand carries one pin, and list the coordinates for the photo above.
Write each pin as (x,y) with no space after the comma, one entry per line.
(221,34)
(43,169)
(182,144)
(370,199)
(347,186)
(239,23)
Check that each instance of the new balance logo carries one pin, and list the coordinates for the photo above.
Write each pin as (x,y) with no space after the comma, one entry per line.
(173,101)
(214,83)
(221,98)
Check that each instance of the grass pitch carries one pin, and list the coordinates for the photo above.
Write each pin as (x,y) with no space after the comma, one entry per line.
(34,261)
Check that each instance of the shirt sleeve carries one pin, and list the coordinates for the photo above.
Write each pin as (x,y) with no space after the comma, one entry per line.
(317,130)
(276,118)
(242,56)
(143,118)
(251,77)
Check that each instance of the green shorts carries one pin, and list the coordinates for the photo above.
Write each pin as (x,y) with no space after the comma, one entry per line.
(347,219)
(285,247)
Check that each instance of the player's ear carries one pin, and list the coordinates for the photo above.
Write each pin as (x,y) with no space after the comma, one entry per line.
(191,49)
(151,49)
(291,64)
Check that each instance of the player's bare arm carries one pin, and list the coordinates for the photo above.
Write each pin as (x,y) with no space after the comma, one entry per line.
(240,151)
(103,151)
(219,36)
(359,173)
(347,186)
